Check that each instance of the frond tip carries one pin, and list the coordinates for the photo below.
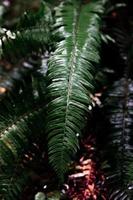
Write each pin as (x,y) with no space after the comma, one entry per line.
(71,78)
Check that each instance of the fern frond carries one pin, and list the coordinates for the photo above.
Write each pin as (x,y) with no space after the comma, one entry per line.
(71,78)
(25,43)
(11,186)
(30,19)
(16,118)
(119,147)
(31,35)
(15,136)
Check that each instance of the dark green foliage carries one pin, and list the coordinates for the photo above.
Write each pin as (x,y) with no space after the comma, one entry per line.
(31,40)
(12,186)
(31,19)
(118,110)
(22,108)
(118,113)
(69,36)
(15,137)
(17,115)
(71,73)
(23,41)
(21,115)
(23,47)
(71,81)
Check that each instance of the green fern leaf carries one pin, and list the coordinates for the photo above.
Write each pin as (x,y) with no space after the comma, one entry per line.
(15,137)
(32,40)
(31,35)
(12,186)
(31,19)
(71,78)
(17,118)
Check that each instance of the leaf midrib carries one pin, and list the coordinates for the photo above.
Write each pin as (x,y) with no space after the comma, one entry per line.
(72,68)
